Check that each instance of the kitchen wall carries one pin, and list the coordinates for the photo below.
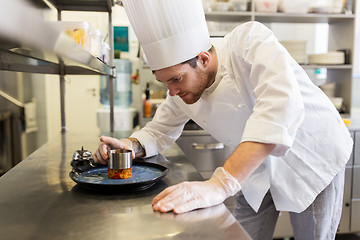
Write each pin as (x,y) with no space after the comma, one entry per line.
(313,34)
(82,92)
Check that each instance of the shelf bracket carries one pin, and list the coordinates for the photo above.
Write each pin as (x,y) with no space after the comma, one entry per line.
(62,94)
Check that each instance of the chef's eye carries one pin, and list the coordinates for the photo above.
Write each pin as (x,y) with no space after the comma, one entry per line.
(177,79)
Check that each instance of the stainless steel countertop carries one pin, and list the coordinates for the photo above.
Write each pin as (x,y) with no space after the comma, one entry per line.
(38,200)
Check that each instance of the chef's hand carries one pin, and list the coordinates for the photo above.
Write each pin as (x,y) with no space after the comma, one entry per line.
(188,196)
(107,143)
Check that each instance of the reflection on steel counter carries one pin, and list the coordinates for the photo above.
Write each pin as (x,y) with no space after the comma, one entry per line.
(208,217)
(204,151)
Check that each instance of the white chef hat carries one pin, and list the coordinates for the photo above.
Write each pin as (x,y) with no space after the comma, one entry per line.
(170,31)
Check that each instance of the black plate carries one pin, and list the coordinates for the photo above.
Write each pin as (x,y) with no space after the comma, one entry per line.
(145,175)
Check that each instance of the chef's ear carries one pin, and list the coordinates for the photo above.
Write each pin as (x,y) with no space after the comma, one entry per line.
(204,58)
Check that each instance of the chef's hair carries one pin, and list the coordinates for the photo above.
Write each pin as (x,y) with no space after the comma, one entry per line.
(193,61)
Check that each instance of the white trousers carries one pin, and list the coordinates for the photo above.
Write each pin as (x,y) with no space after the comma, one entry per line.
(318,222)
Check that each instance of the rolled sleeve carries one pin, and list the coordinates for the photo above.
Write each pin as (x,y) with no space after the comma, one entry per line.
(268,132)
(163,130)
(147,142)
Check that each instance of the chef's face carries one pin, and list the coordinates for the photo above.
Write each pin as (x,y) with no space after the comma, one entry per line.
(186,81)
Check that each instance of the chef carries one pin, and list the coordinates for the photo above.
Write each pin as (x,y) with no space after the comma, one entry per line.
(289,143)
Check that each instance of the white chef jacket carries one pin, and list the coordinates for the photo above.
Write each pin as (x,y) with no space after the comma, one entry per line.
(261,94)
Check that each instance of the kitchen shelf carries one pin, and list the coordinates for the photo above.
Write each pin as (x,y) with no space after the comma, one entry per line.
(83,5)
(340,25)
(39,47)
(233,16)
(228,16)
(35,61)
(311,66)
(302,18)
(79,5)
(30,44)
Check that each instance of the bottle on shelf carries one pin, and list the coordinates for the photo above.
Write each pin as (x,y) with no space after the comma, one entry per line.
(122,85)
(147,102)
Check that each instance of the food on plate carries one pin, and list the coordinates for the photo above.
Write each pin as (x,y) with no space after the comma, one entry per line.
(120,173)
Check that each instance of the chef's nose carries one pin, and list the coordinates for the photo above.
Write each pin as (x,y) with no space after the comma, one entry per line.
(173,90)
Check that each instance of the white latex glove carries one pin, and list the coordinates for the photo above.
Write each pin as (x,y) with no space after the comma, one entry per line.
(188,196)
(107,143)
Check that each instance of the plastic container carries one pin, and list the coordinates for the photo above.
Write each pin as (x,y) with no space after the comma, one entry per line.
(240,5)
(79,31)
(337,6)
(96,43)
(221,6)
(266,5)
(321,6)
(320,78)
(291,6)
(123,119)
(105,52)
